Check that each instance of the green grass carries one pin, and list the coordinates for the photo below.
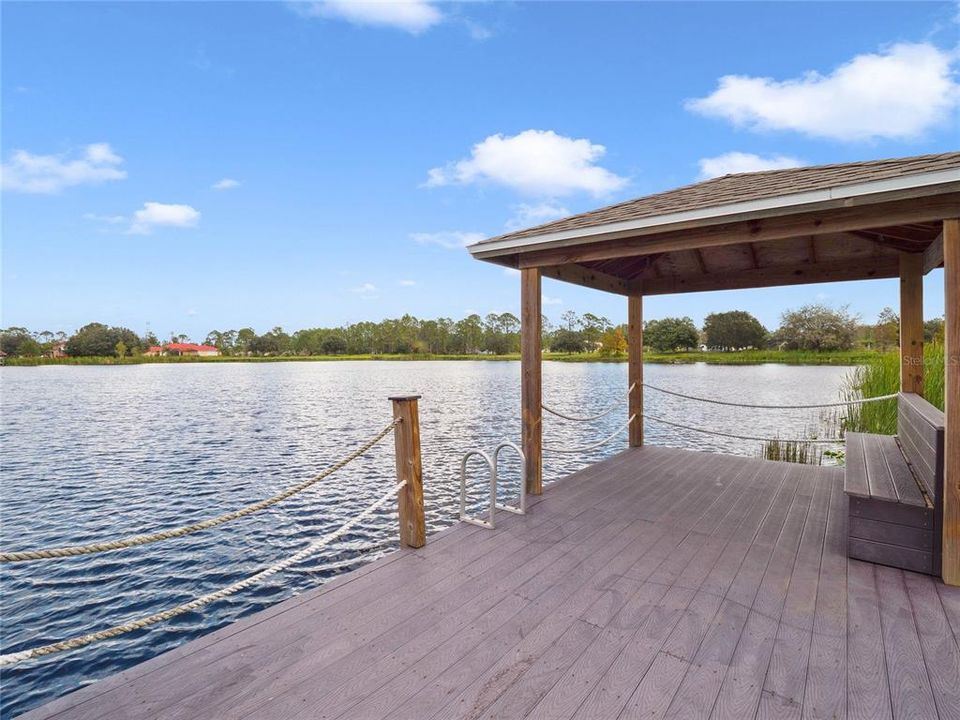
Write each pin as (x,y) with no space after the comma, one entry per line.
(759,357)
(744,357)
(882,377)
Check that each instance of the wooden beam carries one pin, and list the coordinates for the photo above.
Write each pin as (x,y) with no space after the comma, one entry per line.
(933,255)
(588,277)
(531,360)
(863,269)
(700,261)
(413,529)
(911,323)
(888,241)
(753,256)
(774,228)
(813,250)
(951,393)
(635,367)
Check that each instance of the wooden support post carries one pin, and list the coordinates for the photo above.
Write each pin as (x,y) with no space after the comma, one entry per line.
(911,323)
(951,394)
(635,367)
(531,359)
(413,529)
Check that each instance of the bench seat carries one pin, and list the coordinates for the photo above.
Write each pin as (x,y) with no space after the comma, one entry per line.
(891,522)
(893,485)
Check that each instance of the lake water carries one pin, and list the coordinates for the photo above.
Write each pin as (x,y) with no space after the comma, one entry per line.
(94,452)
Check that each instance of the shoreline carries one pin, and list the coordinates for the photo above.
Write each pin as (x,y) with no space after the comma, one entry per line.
(746,357)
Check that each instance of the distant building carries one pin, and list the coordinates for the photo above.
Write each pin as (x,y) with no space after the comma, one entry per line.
(181,349)
(57,350)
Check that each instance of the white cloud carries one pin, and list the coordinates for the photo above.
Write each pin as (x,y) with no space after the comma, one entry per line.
(106,219)
(366,291)
(741,162)
(547,300)
(225,184)
(525,215)
(154,214)
(191,312)
(511,272)
(413,16)
(897,93)
(449,239)
(536,162)
(477,31)
(29,173)
(408,283)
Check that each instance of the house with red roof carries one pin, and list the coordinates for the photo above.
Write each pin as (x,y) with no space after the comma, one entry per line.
(183,349)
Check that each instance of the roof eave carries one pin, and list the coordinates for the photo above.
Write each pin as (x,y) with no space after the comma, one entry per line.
(865,193)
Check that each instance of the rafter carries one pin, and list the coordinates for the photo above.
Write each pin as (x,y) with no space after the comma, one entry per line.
(933,255)
(798,274)
(588,277)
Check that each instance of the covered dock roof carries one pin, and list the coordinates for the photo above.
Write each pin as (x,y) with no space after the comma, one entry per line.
(780,227)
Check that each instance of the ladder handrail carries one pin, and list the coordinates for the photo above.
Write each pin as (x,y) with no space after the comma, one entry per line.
(520,509)
(463,489)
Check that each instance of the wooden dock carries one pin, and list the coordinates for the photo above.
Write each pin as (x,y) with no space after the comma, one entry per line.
(660,583)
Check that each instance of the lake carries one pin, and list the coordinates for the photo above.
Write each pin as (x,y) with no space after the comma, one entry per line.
(95,452)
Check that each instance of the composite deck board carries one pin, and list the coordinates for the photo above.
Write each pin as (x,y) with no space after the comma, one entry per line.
(659,583)
(910,693)
(940,652)
(826,690)
(868,689)
(762,586)
(783,687)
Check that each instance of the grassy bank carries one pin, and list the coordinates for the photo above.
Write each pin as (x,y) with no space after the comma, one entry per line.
(745,357)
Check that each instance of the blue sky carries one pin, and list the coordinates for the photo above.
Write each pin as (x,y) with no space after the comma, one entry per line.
(215,165)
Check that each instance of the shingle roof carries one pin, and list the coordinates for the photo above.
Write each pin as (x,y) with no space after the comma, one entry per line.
(744,187)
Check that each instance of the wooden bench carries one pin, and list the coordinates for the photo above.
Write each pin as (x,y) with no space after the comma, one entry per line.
(894,486)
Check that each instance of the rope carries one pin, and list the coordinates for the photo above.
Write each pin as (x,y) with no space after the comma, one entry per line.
(741,437)
(595,445)
(135,540)
(592,417)
(82,640)
(845,403)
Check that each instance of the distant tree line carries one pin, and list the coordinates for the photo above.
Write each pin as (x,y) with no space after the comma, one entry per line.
(812,327)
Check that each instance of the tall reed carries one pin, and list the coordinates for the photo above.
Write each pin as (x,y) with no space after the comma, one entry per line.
(882,377)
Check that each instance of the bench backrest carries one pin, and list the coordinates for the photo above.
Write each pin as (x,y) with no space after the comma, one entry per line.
(920,432)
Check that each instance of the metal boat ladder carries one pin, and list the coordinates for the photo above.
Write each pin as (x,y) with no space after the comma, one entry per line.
(492,461)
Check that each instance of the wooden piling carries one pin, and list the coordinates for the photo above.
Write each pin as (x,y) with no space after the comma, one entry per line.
(413,529)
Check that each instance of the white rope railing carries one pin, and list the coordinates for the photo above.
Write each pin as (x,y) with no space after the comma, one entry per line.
(595,445)
(136,540)
(712,401)
(591,418)
(647,416)
(82,640)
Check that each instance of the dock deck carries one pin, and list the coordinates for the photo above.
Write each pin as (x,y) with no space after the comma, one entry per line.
(659,583)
